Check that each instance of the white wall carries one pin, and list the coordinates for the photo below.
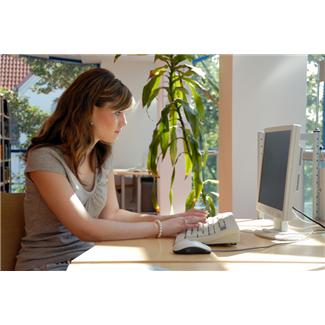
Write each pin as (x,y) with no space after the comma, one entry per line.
(268,90)
(131,148)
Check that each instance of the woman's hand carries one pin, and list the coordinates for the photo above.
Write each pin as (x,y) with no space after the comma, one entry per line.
(192,212)
(174,224)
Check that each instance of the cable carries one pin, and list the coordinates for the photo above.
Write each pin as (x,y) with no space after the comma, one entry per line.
(311,226)
(303,220)
(309,218)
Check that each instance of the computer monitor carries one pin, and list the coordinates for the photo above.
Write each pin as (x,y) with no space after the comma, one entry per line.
(278,177)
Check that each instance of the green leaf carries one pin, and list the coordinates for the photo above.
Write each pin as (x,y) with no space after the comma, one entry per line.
(188,163)
(188,157)
(196,154)
(163,58)
(212,181)
(116,57)
(198,184)
(195,83)
(164,143)
(190,201)
(173,146)
(153,153)
(178,90)
(192,118)
(164,117)
(164,131)
(199,72)
(198,101)
(150,90)
(211,208)
(181,57)
(158,71)
(152,96)
(214,194)
(181,92)
(171,187)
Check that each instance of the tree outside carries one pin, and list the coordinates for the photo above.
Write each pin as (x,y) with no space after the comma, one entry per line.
(210,98)
(311,123)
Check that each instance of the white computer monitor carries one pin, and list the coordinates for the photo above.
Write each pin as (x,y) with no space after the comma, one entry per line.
(278,177)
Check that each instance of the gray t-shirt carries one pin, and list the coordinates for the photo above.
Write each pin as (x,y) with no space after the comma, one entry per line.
(47,240)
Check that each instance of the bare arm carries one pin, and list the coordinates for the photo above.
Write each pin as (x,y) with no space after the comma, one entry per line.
(112,211)
(59,196)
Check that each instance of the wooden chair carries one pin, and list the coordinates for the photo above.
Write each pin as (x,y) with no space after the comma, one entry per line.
(12,228)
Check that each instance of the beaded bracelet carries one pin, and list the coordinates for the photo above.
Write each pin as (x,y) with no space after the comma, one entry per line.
(158,222)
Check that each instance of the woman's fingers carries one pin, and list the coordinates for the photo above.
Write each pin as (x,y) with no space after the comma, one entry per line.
(193,220)
(196,219)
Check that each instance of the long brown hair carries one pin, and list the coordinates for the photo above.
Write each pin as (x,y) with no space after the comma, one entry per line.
(69,126)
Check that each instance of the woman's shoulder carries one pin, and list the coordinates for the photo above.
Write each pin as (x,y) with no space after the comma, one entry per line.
(45,158)
(46,151)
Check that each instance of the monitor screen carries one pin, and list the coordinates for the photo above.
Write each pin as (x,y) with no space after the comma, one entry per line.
(274,168)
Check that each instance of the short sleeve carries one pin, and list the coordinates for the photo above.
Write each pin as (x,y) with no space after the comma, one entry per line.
(44,159)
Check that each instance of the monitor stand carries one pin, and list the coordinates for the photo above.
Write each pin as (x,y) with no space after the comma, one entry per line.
(280,232)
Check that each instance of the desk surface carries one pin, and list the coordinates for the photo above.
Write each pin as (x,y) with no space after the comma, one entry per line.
(149,254)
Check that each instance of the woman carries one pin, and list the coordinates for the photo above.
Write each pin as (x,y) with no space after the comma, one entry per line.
(70,197)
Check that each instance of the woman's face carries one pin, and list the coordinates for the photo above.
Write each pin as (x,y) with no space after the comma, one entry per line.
(107,123)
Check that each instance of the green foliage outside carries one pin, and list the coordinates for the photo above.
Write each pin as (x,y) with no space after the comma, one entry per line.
(25,119)
(55,74)
(210,127)
(310,122)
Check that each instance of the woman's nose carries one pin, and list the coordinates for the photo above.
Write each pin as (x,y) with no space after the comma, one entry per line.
(123,121)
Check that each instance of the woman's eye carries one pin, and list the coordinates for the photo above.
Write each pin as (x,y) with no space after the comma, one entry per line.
(117,114)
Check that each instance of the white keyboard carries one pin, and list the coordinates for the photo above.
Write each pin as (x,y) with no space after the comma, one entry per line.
(220,229)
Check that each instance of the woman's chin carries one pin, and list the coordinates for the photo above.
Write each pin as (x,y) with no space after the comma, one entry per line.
(113,138)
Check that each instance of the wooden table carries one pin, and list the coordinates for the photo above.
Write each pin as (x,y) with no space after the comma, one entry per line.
(156,254)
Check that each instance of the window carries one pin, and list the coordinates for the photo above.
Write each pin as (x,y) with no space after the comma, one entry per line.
(32,99)
(312,73)
(210,65)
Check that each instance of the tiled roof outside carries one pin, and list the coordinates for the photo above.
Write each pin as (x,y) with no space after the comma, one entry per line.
(13,71)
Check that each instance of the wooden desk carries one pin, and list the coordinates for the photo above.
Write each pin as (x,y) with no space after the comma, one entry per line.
(156,254)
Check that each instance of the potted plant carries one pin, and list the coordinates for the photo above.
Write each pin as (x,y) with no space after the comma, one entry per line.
(181,119)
